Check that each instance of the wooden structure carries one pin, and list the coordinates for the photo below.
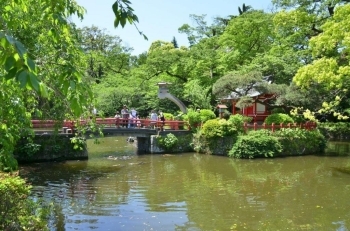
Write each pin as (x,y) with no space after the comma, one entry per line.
(221,108)
(257,111)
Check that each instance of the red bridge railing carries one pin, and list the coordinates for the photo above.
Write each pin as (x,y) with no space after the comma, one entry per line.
(115,123)
(168,124)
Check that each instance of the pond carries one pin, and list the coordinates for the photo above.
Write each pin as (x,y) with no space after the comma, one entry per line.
(118,190)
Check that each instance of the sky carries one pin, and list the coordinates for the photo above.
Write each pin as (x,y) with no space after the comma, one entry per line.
(160,19)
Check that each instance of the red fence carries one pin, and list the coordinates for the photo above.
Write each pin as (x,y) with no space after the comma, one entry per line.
(273,127)
(168,124)
(113,122)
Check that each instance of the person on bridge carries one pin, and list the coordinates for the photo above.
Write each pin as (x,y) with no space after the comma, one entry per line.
(125,116)
(133,112)
(154,118)
(162,118)
(117,118)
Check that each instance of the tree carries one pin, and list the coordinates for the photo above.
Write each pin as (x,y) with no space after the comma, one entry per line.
(244,9)
(39,66)
(104,53)
(198,97)
(245,37)
(174,42)
(124,12)
(329,72)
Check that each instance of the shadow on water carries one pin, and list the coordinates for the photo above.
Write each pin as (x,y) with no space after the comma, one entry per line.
(338,148)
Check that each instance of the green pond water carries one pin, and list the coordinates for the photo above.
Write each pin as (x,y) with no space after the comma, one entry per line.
(118,190)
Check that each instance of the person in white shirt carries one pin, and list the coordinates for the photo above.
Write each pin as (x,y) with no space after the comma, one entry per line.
(154,118)
(133,112)
(125,116)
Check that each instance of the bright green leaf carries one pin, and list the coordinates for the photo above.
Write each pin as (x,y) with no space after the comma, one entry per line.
(31,64)
(65,87)
(34,82)
(43,90)
(116,22)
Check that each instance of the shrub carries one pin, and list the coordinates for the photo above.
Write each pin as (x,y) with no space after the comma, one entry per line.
(238,122)
(278,110)
(168,116)
(206,114)
(167,142)
(340,130)
(17,212)
(256,144)
(300,141)
(278,118)
(193,118)
(212,128)
(218,128)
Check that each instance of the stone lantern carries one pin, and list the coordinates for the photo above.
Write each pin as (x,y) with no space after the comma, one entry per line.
(221,108)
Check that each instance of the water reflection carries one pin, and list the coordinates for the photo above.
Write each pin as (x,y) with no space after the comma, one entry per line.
(192,191)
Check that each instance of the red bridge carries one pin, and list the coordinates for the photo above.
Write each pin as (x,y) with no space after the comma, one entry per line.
(114,123)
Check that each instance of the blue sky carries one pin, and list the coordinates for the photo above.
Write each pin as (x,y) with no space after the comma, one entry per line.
(160,19)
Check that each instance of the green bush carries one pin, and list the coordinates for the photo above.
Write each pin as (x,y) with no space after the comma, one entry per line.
(256,144)
(167,142)
(197,118)
(238,122)
(193,118)
(206,114)
(278,118)
(212,128)
(339,130)
(218,128)
(17,212)
(283,142)
(300,141)
(278,110)
(168,116)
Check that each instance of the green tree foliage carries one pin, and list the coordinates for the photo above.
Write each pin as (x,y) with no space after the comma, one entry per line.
(17,211)
(125,13)
(329,72)
(244,9)
(198,97)
(174,42)
(40,66)
(278,118)
(245,37)
(104,53)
